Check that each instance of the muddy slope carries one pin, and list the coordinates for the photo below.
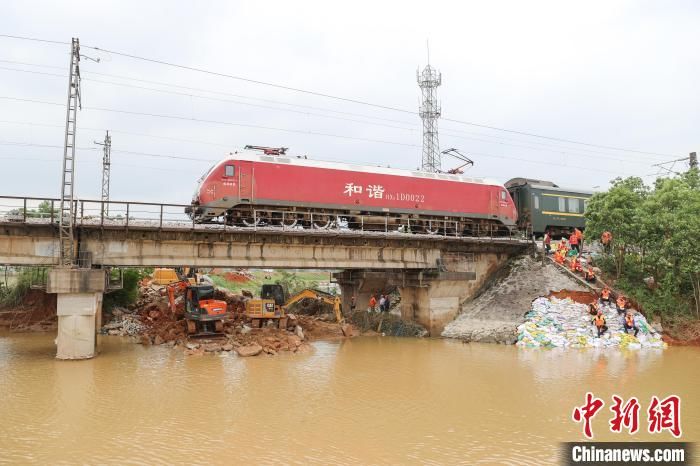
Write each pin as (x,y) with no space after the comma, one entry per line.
(493,316)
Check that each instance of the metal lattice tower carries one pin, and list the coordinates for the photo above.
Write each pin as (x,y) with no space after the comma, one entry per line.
(428,81)
(67,214)
(106,153)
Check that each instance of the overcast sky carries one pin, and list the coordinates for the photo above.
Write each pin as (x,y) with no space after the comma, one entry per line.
(609,73)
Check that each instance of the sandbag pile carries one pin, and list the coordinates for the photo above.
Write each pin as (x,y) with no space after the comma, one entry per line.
(556,322)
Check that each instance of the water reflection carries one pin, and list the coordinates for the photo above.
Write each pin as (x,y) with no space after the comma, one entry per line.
(364,400)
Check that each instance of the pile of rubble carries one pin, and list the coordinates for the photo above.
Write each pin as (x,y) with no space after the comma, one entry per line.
(151,321)
(554,322)
(251,342)
(124,323)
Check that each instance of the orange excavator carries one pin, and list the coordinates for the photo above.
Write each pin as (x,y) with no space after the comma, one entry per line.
(204,316)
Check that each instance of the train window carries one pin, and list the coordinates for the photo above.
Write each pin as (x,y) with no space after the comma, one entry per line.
(573,205)
(537,202)
(562,204)
(229,170)
(503,195)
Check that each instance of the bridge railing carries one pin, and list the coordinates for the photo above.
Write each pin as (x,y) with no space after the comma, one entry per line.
(127,214)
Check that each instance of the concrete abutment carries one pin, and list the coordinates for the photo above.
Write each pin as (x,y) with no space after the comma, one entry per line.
(431,298)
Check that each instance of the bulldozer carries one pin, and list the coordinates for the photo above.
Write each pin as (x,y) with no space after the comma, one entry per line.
(273,304)
(204,316)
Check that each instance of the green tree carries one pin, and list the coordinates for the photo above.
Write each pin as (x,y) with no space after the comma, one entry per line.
(617,211)
(655,233)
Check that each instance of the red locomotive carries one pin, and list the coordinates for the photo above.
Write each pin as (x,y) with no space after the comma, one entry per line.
(257,189)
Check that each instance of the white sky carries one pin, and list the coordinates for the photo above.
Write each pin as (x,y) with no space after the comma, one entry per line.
(613,73)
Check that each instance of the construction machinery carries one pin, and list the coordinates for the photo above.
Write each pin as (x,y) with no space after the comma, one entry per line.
(273,304)
(203,315)
(166,276)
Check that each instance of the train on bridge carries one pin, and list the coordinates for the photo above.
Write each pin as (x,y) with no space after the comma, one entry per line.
(269,188)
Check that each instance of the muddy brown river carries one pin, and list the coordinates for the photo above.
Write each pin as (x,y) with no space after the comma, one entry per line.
(364,400)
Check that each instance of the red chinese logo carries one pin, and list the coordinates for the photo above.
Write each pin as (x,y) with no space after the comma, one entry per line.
(662,414)
(587,412)
(625,416)
(665,415)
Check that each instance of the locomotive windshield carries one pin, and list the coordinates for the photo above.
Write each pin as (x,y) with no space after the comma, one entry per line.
(195,196)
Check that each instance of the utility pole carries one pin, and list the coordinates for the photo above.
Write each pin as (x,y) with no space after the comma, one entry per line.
(668,167)
(106,152)
(428,80)
(67,214)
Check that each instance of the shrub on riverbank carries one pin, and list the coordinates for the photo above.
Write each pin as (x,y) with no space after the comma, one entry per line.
(129,292)
(13,294)
(388,324)
(655,253)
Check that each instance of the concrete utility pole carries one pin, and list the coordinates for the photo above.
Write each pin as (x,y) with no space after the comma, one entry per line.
(428,81)
(693,160)
(67,214)
(106,153)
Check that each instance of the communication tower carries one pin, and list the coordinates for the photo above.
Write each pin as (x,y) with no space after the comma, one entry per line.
(106,164)
(428,81)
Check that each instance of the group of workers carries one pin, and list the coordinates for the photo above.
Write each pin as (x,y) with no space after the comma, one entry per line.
(571,250)
(384,303)
(624,311)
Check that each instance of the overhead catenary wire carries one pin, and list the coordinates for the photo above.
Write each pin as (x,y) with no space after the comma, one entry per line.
(568,152)
(186,94)
(35,39)
(334,97)
(362,102)
(449,132)
(306,132)
(217,122)
(176,157)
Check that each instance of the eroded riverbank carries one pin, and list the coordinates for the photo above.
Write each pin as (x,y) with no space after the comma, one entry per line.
(362,400)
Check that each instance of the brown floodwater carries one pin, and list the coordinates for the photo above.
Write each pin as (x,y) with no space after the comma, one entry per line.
(364,400)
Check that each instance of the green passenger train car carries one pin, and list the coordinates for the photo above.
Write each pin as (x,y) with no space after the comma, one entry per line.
(542,206)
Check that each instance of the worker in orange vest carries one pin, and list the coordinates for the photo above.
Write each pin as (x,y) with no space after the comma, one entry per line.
(600,324)
(575,264)
(593,308)
(606,239)
(372,303)
(605,296)
(579,236)
(573,240)
(559,257)
(621,304)
(562,245)
(630,324)
(590,275)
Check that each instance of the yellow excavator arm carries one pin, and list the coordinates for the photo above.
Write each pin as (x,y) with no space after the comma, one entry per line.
(327,298)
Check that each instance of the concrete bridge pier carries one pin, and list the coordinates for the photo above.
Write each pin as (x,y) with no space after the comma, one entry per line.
(79,308)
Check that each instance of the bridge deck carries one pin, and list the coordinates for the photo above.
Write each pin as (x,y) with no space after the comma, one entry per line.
(150,234)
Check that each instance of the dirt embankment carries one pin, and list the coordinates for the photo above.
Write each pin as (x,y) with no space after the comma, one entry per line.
(36,312)
(495,313)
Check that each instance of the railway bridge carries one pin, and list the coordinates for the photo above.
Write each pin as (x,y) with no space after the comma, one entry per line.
(434,273)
